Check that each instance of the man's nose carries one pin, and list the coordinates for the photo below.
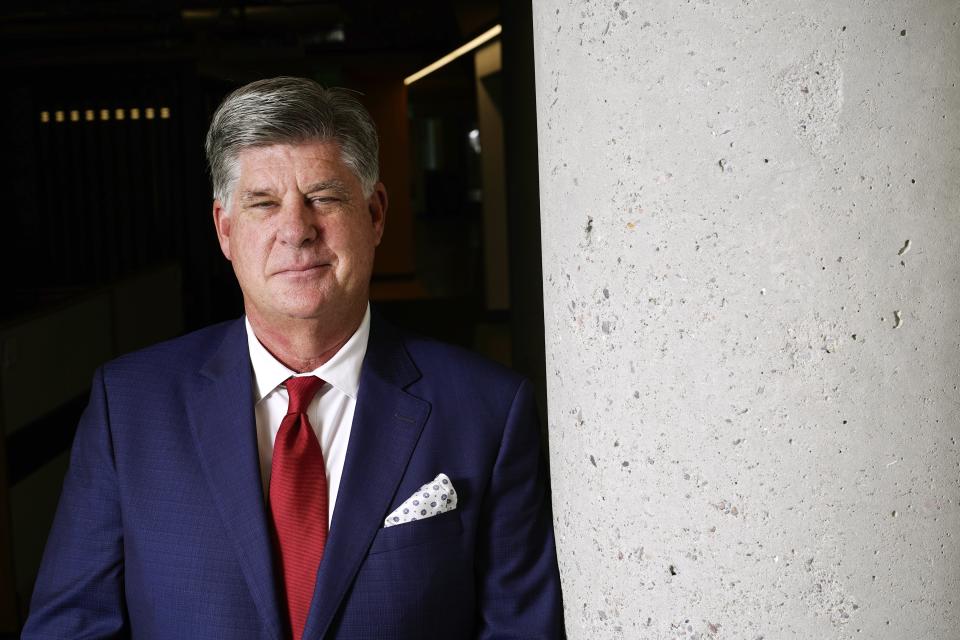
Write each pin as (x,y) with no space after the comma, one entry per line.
(297,225)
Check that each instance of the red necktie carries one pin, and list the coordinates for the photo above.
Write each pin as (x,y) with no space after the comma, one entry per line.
(298,501)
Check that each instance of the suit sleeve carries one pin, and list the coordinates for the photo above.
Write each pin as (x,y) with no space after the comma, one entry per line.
(518,581)
(79,592)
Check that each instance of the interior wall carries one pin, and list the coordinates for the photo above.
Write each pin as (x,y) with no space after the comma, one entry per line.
(487,65)
(385,97)
(522,192)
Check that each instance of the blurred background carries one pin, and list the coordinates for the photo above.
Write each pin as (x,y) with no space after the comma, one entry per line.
(107,240)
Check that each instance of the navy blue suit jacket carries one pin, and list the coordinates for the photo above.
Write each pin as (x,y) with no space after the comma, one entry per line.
(162,531)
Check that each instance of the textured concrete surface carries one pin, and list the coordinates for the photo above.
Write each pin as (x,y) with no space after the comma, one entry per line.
(751,223)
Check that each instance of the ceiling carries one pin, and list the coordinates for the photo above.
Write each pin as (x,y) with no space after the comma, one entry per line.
(63,32)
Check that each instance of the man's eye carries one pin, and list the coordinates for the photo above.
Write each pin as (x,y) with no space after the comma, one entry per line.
(322,200)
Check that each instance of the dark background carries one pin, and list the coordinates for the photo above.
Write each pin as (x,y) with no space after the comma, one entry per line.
(107,240)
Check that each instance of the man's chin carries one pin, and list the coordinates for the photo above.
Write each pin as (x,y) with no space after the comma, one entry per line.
(306,302)
(317,311)
(328,305)
(293,310)
(323,308)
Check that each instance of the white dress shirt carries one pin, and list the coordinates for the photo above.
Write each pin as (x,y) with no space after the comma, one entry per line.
(330,412)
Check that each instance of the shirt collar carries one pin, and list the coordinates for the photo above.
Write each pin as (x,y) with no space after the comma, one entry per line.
(342,371)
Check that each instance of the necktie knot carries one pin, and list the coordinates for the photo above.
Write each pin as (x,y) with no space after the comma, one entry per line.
(301,390)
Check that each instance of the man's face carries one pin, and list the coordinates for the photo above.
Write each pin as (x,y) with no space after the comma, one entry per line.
(300,233)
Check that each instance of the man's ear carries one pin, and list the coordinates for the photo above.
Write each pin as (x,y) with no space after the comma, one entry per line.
(221,220)
(377,205)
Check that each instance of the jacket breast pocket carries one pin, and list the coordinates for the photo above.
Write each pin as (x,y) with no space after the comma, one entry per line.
(424,531)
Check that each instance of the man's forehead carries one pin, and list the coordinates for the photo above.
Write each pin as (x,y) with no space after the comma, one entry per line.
(280,166)
(290,155)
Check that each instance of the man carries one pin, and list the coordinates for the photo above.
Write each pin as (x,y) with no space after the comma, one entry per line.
(307,471)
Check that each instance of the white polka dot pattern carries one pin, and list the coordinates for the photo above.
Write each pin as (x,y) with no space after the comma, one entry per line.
(436,497)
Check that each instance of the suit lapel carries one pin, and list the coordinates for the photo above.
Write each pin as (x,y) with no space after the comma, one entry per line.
(386,426)
(222,419)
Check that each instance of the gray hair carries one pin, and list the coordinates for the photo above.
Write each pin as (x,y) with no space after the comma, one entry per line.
(289,110)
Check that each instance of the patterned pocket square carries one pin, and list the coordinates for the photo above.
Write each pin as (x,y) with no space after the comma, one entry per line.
(436,497)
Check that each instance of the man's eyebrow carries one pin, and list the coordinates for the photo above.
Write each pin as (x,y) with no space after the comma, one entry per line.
(254,194)
(337,186)
(327,185)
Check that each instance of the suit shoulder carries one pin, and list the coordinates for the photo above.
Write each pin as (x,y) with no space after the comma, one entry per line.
(459,365)
(183,354)
(465,389)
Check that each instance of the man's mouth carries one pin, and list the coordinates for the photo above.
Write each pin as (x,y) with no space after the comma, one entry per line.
(305,269)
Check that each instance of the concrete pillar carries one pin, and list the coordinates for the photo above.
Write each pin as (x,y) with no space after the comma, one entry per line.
(751,219)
